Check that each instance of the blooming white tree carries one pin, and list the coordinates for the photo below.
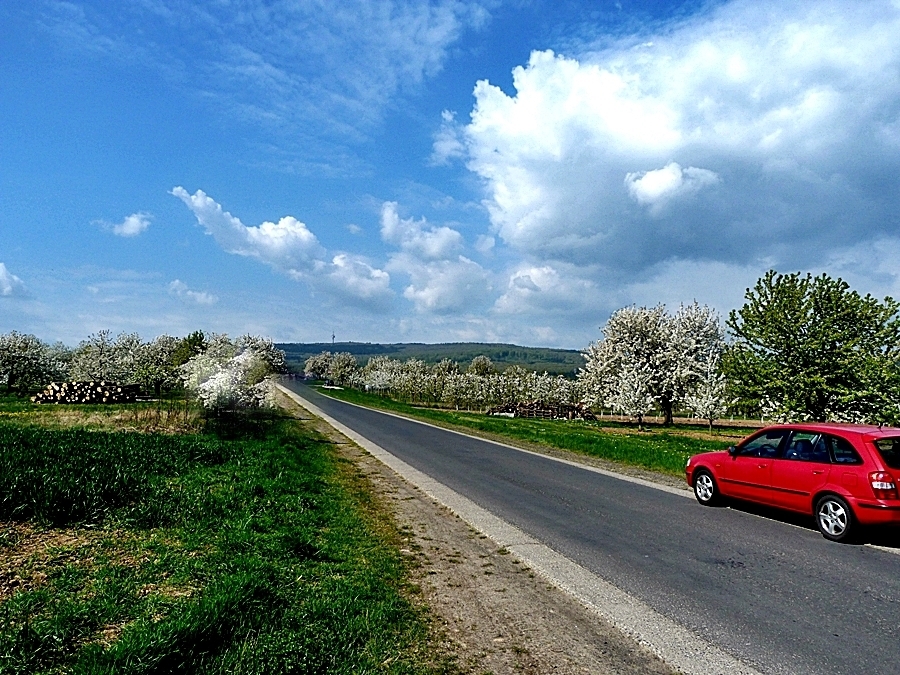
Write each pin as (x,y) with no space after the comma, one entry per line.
(631,395)
(155,367)
(317,365)
(378,375)
(478,388)
(437,380)
(672,351)
(265,350)
(100,357)
(342,368)
(26,362)
(233,386)
(244,380)
(481,365)
(707,399)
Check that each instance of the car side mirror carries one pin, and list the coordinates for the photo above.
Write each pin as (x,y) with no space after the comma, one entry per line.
(732,450)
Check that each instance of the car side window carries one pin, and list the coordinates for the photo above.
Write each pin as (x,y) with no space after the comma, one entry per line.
(843,451)
(806,446)
(764,445)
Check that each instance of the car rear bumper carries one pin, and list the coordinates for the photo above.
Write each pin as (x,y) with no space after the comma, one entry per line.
(876,512)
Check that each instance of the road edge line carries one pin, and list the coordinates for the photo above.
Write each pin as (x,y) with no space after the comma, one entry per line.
(671,642)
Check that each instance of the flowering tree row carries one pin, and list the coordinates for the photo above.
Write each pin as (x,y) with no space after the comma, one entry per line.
(220,371)
(476,387)
(647,360)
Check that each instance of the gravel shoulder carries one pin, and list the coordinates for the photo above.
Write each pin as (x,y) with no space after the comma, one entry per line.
(491,613)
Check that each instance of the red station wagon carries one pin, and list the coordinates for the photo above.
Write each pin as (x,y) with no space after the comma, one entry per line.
(844,475)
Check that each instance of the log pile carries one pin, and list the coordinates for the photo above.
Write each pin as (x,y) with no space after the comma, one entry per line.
(87,392)
(544,411)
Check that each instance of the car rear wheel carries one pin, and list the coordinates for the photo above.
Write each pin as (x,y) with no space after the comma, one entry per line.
(835,519)
(705,489)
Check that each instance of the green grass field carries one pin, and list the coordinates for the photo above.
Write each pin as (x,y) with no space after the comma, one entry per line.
(663,449)
(127,552)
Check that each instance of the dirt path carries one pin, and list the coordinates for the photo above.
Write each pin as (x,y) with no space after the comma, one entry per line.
(493,613)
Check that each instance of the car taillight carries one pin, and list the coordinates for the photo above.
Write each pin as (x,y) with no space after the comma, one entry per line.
(883,485)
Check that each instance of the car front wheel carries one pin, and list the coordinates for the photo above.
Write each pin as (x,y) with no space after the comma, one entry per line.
(835,519)
(705,489)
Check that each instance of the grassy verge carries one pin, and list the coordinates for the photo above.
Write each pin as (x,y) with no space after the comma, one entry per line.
(659,449)
(126,552)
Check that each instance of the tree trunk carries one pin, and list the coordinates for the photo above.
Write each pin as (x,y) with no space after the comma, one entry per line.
(667,406)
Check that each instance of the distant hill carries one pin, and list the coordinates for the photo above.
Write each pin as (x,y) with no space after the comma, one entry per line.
(555,361)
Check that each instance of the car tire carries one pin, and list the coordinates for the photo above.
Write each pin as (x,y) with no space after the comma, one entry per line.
(835,519)
(705,488)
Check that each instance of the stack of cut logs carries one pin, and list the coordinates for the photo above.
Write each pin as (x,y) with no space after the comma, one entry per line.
(546,411)
(87,392)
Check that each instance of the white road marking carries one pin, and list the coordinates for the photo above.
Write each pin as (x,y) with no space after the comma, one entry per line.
(679,647)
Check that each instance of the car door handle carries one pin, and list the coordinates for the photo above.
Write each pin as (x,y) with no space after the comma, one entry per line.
(816,472)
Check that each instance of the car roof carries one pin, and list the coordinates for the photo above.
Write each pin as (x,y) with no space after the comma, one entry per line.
(870,431)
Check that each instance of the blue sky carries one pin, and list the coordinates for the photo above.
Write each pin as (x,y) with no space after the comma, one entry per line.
(439,171)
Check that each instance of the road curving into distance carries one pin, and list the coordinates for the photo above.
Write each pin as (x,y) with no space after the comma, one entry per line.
(775,597)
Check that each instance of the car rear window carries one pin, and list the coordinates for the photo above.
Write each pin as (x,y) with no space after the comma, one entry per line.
(890,451)
(843,452)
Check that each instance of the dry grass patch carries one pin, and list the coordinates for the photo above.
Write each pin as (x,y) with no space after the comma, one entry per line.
(30,555)
(164,417)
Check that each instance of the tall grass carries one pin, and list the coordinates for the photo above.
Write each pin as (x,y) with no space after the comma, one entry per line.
(243,555)
(66,476)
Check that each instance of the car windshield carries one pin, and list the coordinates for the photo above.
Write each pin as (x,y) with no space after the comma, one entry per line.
(890,451)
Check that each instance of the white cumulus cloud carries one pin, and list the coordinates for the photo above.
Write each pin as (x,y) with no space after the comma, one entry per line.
(659,185)
(774,125)
(442,286)
(11,286)
(287,244)
(417,237)
(441,279)
(547,289)
(290,247)
(181,290)
(133,225)
(448,143)
(354,279)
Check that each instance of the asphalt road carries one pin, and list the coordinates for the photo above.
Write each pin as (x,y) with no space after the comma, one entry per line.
(776,596)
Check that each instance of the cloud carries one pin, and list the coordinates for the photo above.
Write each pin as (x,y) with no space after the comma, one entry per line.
(132,226)
(290,247)
(548,290)
(448,143)
(11,286)
(318,77)
(484,244)
(441,279)
(181,290)
(444,286)
(352,278)
(287,245)
(417,237)
(655,187)
(776,127)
